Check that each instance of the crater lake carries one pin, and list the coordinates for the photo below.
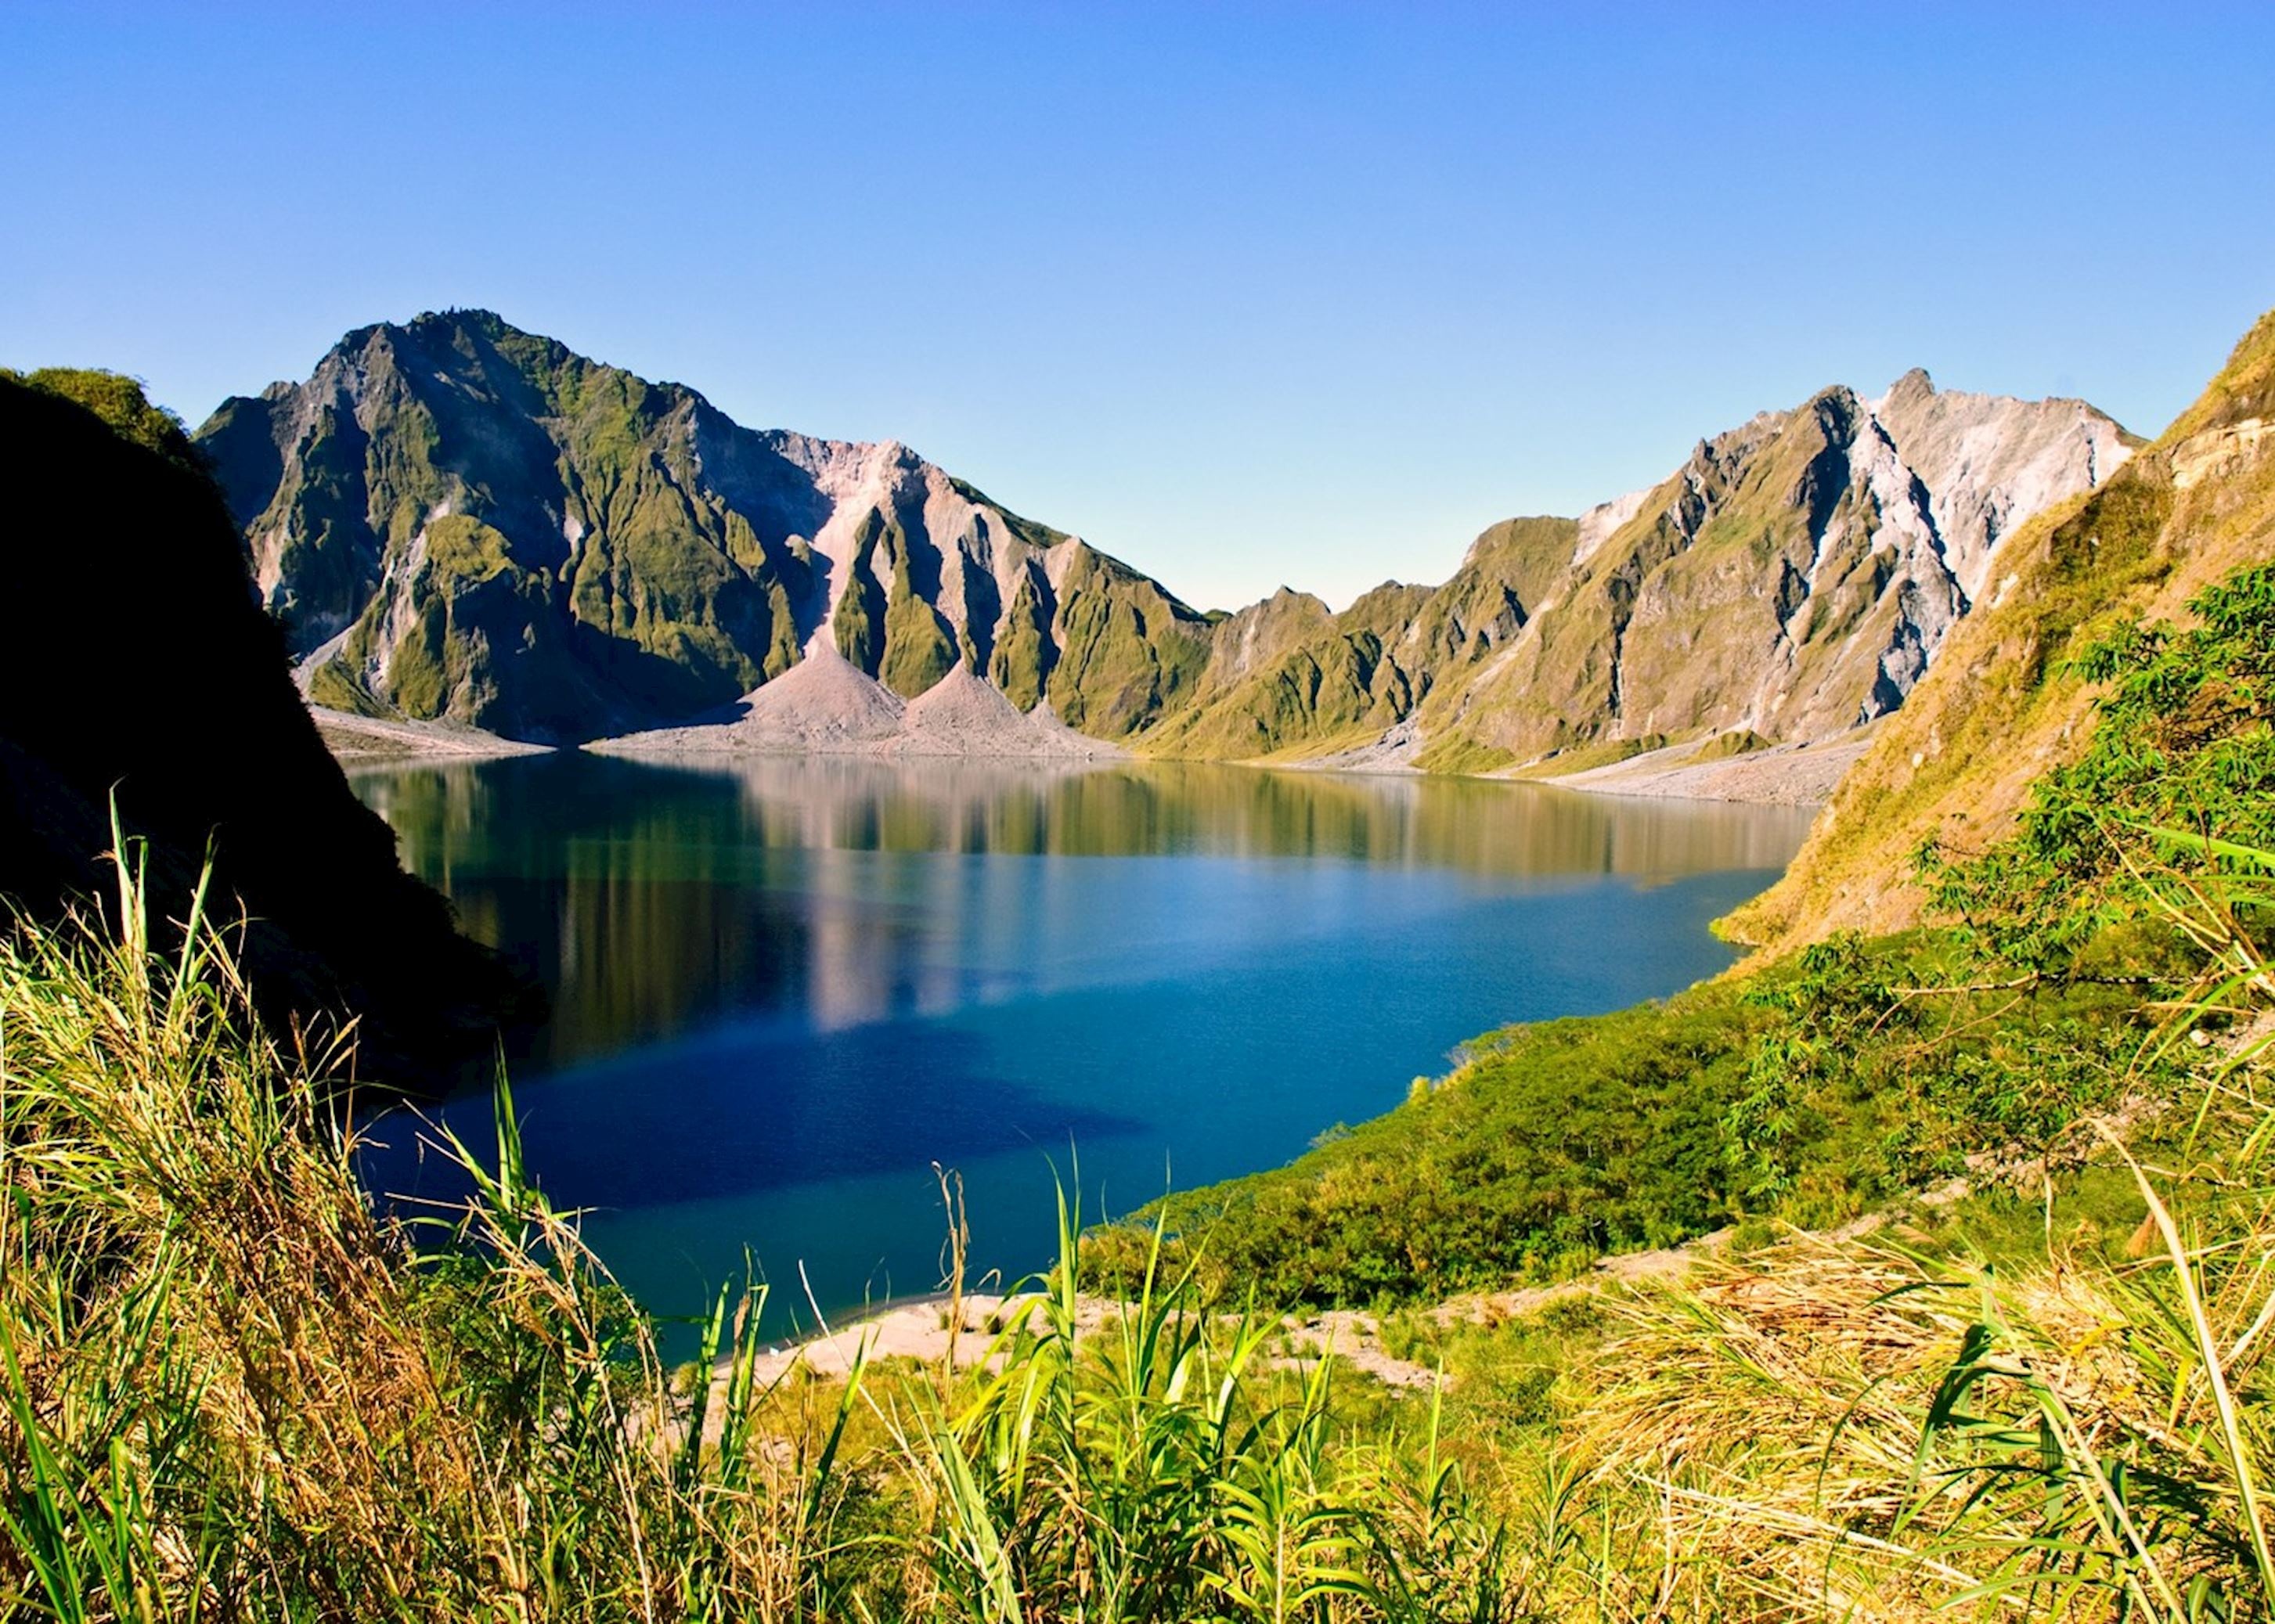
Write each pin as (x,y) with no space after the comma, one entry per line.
(784,988)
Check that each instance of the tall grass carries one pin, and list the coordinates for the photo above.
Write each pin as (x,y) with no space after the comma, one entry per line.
(2072,1438)
(231,1387)
(1161,1466)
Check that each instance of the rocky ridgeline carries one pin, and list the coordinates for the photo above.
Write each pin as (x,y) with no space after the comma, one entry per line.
(459,522)
(1791,581)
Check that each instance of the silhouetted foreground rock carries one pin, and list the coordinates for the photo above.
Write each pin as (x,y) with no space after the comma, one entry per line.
(134,660)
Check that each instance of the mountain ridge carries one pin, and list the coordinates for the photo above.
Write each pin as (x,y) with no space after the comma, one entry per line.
(500,533)
(461,522)
(2192,506)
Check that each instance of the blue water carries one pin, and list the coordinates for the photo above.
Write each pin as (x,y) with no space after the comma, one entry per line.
(785,991)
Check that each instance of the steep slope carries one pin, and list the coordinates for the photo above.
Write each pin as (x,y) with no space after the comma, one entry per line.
(457,520)
(1288,678)
(1793,580)
(1956,764)
(150,675)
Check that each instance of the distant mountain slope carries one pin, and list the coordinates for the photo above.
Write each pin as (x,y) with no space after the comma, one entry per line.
(141,671)
(459,521)
(1288,678)
(1792,580)
(2003,705)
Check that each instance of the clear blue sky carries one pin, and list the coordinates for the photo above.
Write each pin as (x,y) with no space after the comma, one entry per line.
(1246,294)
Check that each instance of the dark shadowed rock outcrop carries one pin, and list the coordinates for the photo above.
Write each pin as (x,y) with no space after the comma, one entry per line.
(137,665)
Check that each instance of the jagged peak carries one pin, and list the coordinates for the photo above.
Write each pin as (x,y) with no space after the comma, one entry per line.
(1912,386)
(455,320)
(1837,408)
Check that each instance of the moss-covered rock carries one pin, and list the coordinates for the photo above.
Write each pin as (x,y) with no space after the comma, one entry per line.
(1129,652)
(1025,650)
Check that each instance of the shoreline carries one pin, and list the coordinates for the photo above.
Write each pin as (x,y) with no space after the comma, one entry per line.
(369,741)
(915,1328)
(1794,774)
(1802,774)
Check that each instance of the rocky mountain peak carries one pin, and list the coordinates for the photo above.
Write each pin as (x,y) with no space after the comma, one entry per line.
(1907,393)
(1794,578)
(457,519)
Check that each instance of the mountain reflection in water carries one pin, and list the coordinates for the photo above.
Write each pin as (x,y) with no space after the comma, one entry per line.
(783,987)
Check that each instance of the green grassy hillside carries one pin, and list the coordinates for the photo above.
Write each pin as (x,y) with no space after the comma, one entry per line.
(1291,681)
(1814,1085)
(1990,1338)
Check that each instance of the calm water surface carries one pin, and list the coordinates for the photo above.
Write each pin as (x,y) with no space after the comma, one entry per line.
(783,989)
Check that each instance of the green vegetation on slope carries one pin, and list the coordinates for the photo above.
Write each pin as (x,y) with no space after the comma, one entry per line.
(1297,681)
(1810,1094)
(1344,685)
(1021,662)
(119,402)
(1956,764)
(633,586)
(1823,1085)
(919,644)
(1127,650)
(228,1389)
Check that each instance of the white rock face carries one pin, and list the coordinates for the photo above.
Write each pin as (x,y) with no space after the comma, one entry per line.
(2221,453)
(1933,482)
(1989,463)
(1984,463)
(1597,523)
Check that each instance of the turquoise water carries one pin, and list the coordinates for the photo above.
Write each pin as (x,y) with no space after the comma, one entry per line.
(785,991)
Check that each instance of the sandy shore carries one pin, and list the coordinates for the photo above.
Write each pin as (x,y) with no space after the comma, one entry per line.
(926,1332)
(1777,775)
(357,741)
(824,706)
(1780,775)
